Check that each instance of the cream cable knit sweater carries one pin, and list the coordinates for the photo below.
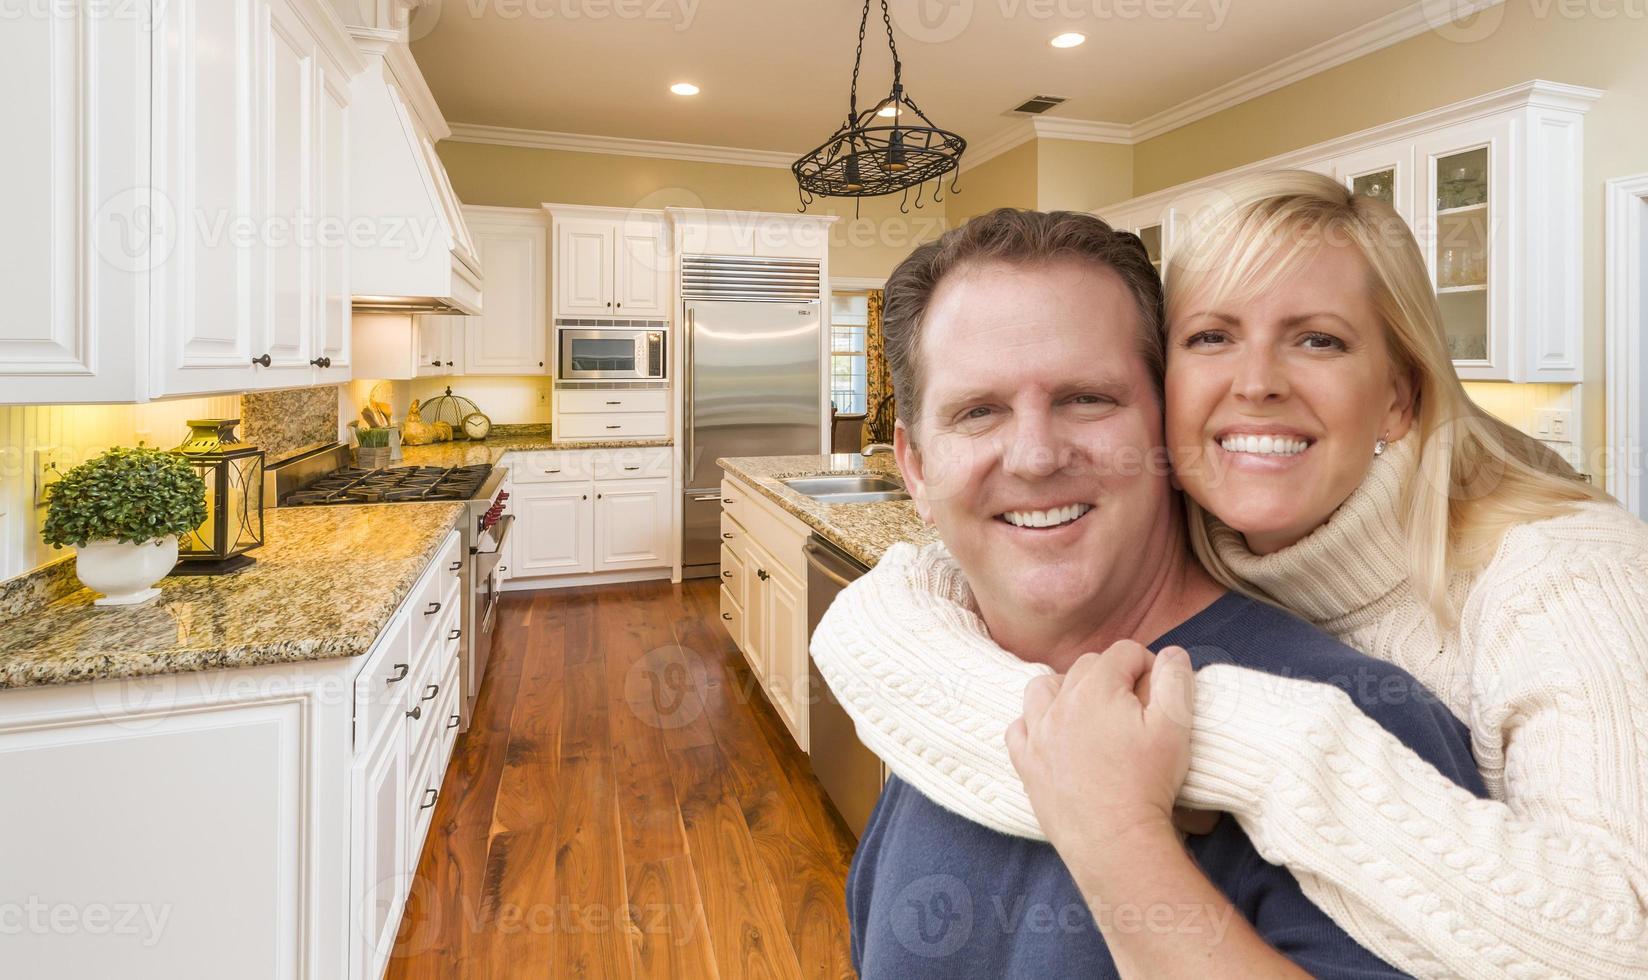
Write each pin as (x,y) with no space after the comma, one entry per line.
(1548,667)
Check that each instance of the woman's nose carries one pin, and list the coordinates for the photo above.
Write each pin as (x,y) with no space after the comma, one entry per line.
(1260,376)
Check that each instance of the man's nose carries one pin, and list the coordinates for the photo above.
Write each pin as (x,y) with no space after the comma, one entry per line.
(1037,447)
(1260,376)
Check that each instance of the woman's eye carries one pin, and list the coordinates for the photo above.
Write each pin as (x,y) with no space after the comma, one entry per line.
(1322,341)
(1204,338)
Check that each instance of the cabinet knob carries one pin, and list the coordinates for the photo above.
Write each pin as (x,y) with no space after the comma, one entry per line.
(586,496)
(597,496)
(761,573)
(403,668)
(263,361)
(319,362)
(416,712)
(540,363)
(619,305)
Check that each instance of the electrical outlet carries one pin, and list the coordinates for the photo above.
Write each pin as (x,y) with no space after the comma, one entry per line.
(543,397)
(50,463)
(1553,425)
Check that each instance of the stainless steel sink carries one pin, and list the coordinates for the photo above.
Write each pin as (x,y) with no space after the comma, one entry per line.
(860,498)
(820,486)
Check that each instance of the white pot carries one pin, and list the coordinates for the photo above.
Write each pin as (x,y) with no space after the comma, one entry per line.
(125,573)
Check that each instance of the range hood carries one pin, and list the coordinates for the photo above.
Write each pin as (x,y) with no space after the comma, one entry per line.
(410,251)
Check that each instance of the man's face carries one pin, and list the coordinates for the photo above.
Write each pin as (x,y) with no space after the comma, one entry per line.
(1038,453)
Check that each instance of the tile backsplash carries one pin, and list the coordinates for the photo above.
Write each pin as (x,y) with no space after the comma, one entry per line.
(279,422)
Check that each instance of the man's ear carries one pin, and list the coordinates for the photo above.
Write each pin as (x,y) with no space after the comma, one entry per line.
(909,463)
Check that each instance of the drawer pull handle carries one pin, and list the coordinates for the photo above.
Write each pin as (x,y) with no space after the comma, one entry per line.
(434,607)
(552,471)
(452,722)
(614,403)
(615,427)
(727,616)
(416,712)
(726,575)
(632,468)
(503,568)
(430,692)
(403,668)
(728,500)
(454,634)
(726,534)
(455,566)
(434,794)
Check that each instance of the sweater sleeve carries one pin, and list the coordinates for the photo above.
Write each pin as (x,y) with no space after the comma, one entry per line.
(1552,879)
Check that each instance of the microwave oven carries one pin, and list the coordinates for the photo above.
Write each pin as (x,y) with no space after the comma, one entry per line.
(609,353)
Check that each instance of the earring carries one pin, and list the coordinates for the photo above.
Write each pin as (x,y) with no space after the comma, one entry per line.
(1379,445)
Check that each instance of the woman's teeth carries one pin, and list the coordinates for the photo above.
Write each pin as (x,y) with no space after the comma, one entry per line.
(1046,518)
(1264,445)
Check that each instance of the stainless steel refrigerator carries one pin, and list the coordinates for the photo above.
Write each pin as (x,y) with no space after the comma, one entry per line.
(753,385)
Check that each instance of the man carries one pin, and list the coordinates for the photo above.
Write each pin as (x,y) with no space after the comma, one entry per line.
(1026,359)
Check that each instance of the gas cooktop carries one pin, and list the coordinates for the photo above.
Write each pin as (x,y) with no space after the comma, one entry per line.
(396,484)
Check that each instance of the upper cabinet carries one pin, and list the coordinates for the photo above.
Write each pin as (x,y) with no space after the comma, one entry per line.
(1491,188)
(178,211)
(611,263)
(511,334)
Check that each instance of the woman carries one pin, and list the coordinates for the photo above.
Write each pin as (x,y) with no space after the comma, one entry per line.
(1333,464)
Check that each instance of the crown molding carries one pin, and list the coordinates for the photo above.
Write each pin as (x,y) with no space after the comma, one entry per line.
(1373,36)
(1083,130)
(538,139)
(1016,134)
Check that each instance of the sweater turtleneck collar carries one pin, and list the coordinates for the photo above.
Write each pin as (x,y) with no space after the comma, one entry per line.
(1357,556)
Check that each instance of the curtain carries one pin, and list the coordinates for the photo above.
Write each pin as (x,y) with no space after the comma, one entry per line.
(878,419)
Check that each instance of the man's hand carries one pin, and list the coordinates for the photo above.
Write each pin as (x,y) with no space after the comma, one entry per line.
(1099,762)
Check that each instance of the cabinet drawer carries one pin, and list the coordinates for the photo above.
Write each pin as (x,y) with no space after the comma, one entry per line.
(732,500)
(429,607)
(732,572)
(631,464)
(732,617)
(637,425)
(546,466)
(383,687)
(733,534)
(427,732)
(603,402)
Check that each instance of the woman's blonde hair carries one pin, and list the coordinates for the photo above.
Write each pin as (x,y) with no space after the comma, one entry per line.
(1477,477)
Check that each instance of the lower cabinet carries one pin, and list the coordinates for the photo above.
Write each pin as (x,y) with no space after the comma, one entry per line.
(580,513)
(254,822)
(764,600)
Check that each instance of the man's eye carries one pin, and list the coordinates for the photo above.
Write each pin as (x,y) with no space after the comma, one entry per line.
(1092,400)
(977,412)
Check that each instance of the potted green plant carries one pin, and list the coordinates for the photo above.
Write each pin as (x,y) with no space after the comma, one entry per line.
(123,512)
(372,452)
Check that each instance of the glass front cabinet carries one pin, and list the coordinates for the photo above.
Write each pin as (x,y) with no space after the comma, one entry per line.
(1492,190)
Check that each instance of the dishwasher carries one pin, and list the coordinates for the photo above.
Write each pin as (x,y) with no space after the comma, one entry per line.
(850,773)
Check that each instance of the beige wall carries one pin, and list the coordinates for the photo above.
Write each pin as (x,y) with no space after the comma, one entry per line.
(1078,176)
(508,176)
(1007,180)
(1430,71)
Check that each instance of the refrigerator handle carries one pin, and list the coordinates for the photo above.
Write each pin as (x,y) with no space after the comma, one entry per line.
(688,369)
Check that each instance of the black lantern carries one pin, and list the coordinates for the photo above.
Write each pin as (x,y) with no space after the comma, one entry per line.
(233,471)
(866,156)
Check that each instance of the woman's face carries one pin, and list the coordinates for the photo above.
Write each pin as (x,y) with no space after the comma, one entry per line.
(1274,403)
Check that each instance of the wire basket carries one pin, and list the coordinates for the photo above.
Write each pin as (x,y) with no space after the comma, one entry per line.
(451,409)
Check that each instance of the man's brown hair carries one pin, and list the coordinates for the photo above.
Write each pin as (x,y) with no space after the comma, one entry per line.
(1020,238)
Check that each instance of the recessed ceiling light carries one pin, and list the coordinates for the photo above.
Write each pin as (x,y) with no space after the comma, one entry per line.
(1068,40)
(684,88)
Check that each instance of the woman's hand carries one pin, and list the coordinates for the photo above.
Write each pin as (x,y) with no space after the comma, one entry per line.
(1104,749)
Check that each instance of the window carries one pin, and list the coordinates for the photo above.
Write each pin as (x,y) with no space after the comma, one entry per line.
(849,321)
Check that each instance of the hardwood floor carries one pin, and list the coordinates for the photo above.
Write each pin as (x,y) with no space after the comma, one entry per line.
(626,804)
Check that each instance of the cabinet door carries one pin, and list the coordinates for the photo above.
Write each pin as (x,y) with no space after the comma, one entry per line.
(785,617)
(1465,229)
(758,575)
(439,338)
(287,166)
(631,524)
(207,298)
(511,334)
(641,269)
(1384,172)
(553,529)
(583,267)
(378,850)
(331,155)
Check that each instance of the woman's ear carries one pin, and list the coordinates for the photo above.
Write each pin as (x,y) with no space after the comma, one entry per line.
(1404,403)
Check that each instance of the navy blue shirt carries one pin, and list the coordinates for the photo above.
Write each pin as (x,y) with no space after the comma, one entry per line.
(932,894)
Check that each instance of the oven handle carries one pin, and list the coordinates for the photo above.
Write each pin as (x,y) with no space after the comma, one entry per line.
(500,531)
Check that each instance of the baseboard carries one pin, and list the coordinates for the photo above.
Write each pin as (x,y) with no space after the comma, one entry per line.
(593,578)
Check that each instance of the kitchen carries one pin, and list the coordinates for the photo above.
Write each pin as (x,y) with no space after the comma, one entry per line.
(536,392)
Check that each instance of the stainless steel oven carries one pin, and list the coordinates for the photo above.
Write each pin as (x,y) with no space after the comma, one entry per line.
(608,353)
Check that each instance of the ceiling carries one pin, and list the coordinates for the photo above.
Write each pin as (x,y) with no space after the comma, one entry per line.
(774,73)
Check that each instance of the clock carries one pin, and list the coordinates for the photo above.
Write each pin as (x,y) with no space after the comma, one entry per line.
(476,425)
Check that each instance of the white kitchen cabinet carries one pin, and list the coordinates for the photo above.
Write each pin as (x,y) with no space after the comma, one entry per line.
(585,516)
(554,529)
(379,849)
(632,524)
(511,335)
(611,263)
(785,601)
(1492,190)
(440,344)
(180,177)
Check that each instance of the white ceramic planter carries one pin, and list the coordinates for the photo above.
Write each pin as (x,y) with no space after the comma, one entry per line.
(125,573)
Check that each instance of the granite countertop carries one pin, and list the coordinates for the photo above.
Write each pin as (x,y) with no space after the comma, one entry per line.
(326,581)
(492,448)
(864,531)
